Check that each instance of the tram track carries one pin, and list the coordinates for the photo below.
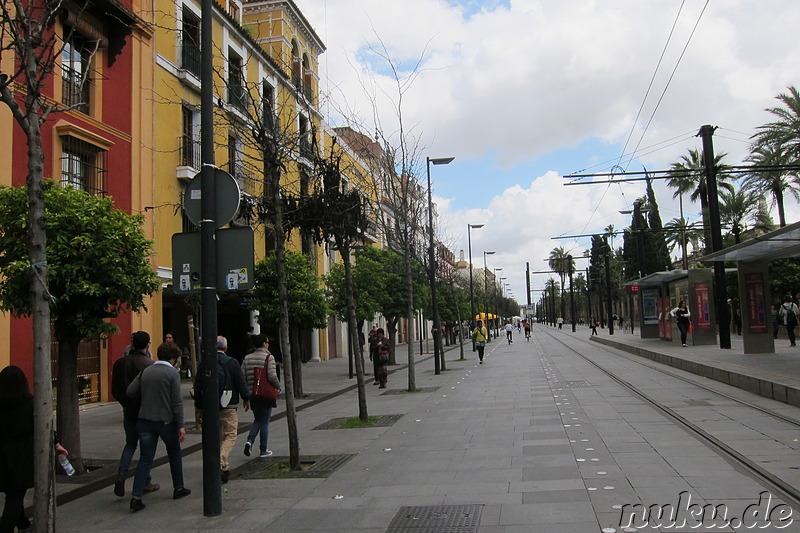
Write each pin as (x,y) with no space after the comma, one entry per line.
(769,480)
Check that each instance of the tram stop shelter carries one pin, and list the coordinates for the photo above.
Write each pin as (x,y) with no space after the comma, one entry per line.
(752,258)
(660,292)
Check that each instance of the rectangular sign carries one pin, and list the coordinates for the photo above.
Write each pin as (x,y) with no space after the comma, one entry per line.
(702,310)
(650,306)
(756,306)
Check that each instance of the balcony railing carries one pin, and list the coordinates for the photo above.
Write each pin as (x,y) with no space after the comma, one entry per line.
(75,90)
(305,148)
(248,183)
(190,57)
(190,152)
(238,96)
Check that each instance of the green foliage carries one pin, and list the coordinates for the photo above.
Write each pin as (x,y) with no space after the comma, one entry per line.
(378,285)
(98,259)
(307,307)
(784,276)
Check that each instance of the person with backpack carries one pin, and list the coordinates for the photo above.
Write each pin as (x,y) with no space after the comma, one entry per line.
(789,313)
(232,387)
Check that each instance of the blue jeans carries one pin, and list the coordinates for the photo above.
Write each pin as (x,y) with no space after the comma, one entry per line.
(261,416)
(131,442)
(149,432)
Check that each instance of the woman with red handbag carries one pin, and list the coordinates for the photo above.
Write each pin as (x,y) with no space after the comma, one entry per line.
(259,367)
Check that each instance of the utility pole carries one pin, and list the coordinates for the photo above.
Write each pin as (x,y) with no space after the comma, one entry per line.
(720,291)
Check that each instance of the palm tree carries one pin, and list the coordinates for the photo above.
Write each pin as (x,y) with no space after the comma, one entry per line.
(688,175)
(785,130)
(775,182)
(736,209)
(561,262)
(609,232)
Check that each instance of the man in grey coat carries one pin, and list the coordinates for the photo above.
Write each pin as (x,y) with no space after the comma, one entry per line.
(160,415)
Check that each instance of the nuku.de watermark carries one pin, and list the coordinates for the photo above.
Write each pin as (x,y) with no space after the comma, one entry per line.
(685,514)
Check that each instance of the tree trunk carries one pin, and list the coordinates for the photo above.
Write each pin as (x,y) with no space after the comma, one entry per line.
(781,212)
(283,297)
(68,416)
(412,380)
(297,363)
(44,509)
(391,331)
(353,333)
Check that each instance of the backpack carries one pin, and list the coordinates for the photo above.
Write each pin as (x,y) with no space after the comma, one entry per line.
(791,316)
(224,384)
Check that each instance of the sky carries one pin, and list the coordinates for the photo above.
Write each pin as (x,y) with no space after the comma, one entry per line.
(525,92)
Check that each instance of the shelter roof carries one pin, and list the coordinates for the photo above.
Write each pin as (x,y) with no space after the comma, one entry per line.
(779,244)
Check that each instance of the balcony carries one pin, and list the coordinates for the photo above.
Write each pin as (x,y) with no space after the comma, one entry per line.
(190,152)
(305,148)
(190,57)
(248,183)
(238,96)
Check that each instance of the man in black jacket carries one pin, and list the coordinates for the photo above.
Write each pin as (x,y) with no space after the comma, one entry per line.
(232,387)
(124,371)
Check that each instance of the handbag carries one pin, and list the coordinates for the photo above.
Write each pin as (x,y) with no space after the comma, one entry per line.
(262,388)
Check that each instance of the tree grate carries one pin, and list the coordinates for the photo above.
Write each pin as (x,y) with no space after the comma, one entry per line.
(437,519)
(569,384)
(311,466)
(378,421)
(405,391)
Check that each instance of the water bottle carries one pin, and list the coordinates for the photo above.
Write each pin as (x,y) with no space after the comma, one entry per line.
(68,468)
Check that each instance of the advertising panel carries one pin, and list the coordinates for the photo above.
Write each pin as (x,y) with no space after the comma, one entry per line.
(702,310)
(756,306)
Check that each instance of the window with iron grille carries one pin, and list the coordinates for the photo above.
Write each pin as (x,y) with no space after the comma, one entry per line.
(83,165)
(237,92)
(75,70)
(190,42)
(190,145)
(268,106)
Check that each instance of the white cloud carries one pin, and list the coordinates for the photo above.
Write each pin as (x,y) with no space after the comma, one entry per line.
(523,79)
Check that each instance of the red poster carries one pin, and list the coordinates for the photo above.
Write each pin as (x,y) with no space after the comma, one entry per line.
(702,311)
(756,307)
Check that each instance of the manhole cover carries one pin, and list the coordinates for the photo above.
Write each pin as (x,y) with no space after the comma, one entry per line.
(404,391)
(437,519)
(352,423)
(569,384)
(311,466)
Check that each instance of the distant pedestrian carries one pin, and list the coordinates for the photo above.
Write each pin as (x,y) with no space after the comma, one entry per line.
(259,358)
(380,357)
(682,315)
(123,373)
(158,388)
(560,322)
(789,315)
(775,320)
(593,324)
(479,336)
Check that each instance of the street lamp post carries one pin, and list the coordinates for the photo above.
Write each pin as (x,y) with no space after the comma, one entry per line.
(471,296)
(486,291)
(437,328)
(571,267)
(497,282)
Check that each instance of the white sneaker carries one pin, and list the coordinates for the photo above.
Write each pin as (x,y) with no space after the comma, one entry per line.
(266,454)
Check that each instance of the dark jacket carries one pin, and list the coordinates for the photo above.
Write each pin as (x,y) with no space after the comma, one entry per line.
(16,447)
(123,373)
(238,384)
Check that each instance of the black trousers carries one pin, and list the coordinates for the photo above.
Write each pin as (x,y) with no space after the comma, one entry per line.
(14,512)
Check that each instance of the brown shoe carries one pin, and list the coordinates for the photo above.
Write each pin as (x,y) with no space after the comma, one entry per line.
(151,487)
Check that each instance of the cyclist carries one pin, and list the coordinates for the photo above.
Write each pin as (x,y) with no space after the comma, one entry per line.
(527,326)
(509,332)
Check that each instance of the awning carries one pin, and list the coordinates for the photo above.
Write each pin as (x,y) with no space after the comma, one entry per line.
(482,316)
(778,244)
(657,278)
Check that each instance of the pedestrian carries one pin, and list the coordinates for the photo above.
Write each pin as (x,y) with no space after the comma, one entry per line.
(775,322)
(593,324)
(16,447)
(789,313)
(235,385)
(509,332)
(682,315)
(158,388)
(262,412)
(380,357)
(479,336)
(560,322)
(123,373)
(373,354)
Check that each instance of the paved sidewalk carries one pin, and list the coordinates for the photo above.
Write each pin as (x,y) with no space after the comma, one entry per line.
(492,440)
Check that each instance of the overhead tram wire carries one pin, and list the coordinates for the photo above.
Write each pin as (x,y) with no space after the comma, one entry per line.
(650,85)
(669,81)
(668,174)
